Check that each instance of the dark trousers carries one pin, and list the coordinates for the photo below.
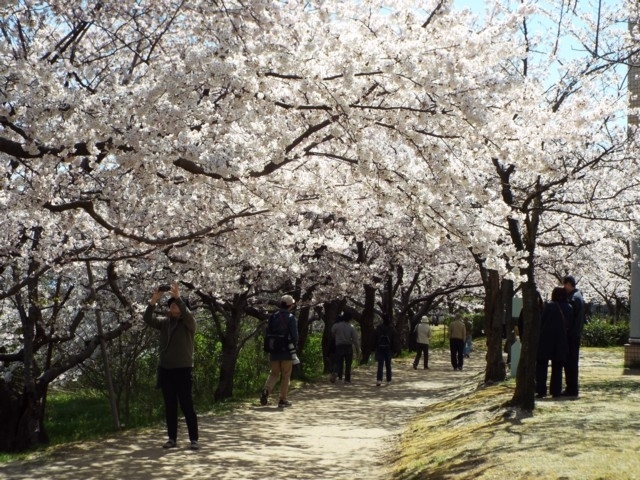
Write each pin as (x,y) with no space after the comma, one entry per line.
(176,384)
(423,349)
(542,368)
(383,355)
(571,366)
(456,346)
(343,358)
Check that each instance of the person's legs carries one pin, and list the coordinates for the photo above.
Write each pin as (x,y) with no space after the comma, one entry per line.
(571,366)
(542,366)
(426,356)
(348,360)
(274,374)
(170,396)
(556,378)
(459,352)
(184,385)
(452,350)
(387,363)
(416,360)
(380,358)
(285,368)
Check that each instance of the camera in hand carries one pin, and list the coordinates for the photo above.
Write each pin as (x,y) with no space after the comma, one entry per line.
(164,288)
(293,353)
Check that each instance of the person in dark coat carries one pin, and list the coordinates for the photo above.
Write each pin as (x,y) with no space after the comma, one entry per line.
(556,318)
(574,336)
(385,343)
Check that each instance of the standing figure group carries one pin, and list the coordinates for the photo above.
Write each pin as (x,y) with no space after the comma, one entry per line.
(561,327)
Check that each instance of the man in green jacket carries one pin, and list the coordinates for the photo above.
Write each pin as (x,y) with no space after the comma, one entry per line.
(175,368)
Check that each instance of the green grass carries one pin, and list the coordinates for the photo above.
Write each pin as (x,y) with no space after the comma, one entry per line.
(78,415)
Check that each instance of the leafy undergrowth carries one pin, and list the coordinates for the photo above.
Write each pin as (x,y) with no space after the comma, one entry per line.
(475,435)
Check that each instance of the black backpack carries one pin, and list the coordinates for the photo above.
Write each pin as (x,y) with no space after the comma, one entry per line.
(274,340)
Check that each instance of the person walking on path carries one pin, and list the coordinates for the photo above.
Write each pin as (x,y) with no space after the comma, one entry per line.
(552,343)
(423,336)
(282,324)
(574,335)
(175,370)
(385,342)
(346,339)
(457,336)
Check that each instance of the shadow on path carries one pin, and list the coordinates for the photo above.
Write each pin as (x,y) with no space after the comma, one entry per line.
(332,431)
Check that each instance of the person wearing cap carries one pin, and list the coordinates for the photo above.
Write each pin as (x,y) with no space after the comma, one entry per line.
(574,334)
(423,336)
(175,367)
(346,338)
(282,322)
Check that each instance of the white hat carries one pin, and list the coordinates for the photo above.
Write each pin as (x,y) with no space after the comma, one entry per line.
(287,300)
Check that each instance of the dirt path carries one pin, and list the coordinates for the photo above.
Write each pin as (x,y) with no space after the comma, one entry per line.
(332,431)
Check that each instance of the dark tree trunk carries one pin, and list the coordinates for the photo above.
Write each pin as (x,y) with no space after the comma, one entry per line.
(493,320)
(20,419)
(524,394)
(230,340)
(303,334)
(367,339)
(507,300)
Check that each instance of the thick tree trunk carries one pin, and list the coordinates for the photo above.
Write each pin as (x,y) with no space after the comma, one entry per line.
(228,362)
(20,419)
(230,349)
(524,394)
(367,339)
(507,301)
(303,334)
(493,317)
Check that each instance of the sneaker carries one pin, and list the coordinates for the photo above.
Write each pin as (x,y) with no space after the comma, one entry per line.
(347,382)
(194,445)
(378,384)
(264,397)
(284,403)
(415,367)
(333,377)
(170,444)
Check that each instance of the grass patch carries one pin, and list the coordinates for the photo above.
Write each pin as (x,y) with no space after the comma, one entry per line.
(475,435)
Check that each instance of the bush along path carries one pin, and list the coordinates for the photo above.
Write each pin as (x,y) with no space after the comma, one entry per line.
(332,431)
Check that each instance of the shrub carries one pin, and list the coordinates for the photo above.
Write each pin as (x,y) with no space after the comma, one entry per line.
(600,333)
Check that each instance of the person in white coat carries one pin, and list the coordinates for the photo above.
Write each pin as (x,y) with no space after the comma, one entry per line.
(423,336)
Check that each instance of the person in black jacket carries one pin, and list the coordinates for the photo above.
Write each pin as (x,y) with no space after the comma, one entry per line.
(574,336)
(284,324)
(557,315)
(175,369)
(385,344)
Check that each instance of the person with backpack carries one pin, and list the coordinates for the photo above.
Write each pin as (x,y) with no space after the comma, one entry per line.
(384,344)
(457,336)
(423,336)
(346,338)
(281,338)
